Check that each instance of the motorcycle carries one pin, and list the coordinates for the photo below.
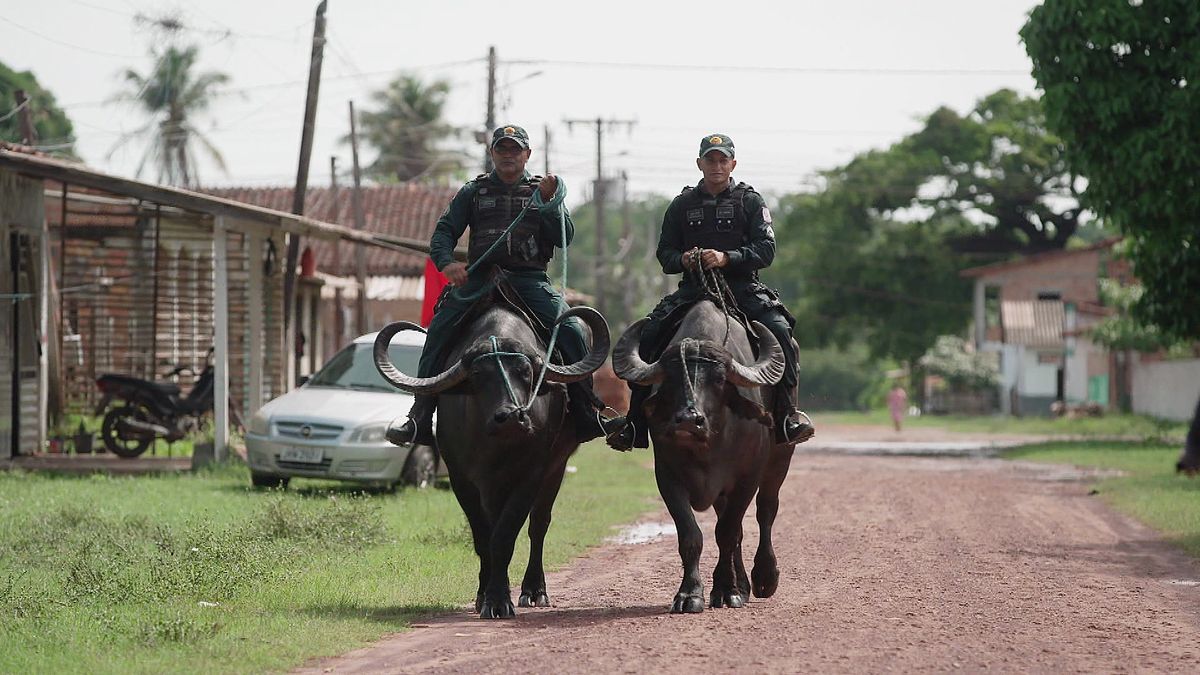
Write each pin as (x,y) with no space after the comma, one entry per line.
(145,410)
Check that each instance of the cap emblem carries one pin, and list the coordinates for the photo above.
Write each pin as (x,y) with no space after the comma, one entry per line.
(715,140)
(509,130)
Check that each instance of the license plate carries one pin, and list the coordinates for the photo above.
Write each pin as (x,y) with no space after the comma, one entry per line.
(301,454)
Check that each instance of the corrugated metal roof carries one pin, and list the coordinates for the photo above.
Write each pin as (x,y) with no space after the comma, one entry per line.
(1033,323)
(405,210)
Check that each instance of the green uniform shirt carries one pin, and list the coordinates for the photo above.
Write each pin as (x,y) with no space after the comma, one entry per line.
(457,218)
(757,253)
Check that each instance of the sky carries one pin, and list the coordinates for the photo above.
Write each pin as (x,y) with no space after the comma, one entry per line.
(800,85)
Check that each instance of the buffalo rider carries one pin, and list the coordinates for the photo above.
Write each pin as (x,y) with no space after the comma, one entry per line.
(725,225)
(488,205)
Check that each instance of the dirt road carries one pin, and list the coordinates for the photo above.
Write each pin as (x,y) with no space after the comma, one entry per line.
(897,563)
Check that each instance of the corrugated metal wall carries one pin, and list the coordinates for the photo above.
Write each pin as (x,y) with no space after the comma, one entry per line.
(138,299)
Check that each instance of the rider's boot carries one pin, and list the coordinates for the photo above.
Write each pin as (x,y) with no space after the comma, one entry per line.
(633,432)
(792,425)
(417,429)
(584,407)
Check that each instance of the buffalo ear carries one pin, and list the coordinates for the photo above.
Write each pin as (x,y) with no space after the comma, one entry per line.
(745,408)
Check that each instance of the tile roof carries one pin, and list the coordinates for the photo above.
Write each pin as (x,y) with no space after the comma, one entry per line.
(988,270)
(1033,323)
(401,210)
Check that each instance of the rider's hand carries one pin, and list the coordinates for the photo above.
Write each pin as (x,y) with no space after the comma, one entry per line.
(456,272)
(548,186)
(689,258)
(711,258)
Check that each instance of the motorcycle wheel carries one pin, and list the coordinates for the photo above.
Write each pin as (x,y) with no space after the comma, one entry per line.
(125,443)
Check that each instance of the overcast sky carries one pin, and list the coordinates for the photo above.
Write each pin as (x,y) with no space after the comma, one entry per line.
(800,85)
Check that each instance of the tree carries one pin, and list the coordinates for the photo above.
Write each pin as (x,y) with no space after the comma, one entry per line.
(53,128)
(1120,79)
(408,131)
(172,95)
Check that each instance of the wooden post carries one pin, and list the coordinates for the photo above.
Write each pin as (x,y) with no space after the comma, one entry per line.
(255,296)
(490,119)
(220,340)
(339,321)
(360,223)
(28,132)
(306,139)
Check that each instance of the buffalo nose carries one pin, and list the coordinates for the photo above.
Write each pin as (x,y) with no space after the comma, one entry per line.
(689,415)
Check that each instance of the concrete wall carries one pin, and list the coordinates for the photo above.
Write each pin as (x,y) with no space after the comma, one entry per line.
(1167,389)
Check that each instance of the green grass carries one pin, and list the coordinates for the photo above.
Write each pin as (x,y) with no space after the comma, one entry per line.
(198,573)
(1150,490)
(1112,425)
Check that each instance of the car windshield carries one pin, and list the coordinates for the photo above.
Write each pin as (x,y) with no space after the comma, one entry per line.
(354,368)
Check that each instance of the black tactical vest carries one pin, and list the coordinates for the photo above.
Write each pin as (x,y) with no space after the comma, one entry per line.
(494,208)
(718,223)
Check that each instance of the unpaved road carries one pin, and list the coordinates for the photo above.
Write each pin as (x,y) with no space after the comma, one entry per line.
(897,563)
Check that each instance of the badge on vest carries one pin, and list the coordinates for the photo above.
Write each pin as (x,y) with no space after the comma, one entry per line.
(487,202)
(695,217)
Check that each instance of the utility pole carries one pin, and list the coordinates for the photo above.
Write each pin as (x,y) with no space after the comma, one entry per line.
(546,149)
(360,223)
(339,322)
(490,120)
(598,199)
(306,139)
(28,133)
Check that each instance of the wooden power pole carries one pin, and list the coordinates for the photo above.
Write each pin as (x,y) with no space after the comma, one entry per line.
(24,105)
(306,139)
(490,118)
(360,223)
(598,199)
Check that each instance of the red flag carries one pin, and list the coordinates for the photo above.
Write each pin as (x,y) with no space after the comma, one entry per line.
(435,281)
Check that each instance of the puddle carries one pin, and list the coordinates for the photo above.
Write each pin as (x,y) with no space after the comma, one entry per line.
(643,533)
(1183,582)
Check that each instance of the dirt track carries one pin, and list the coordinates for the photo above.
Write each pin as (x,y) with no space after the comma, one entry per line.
(886,564)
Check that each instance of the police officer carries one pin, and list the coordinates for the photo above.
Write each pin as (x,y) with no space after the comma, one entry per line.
(719,224)
(488,205)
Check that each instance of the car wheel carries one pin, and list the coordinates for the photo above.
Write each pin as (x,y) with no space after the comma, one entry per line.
(266,480)
(420,469)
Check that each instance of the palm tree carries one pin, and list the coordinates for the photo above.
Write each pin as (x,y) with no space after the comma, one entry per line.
(172,95)
(407,129)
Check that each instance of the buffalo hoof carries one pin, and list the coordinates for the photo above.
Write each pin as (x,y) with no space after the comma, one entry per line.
(718,599)
(765,581)
(687,604)
(497,609)
(533,599)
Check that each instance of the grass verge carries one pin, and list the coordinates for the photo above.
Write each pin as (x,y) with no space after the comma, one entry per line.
(1149,490)
(198,573)
(1115,425)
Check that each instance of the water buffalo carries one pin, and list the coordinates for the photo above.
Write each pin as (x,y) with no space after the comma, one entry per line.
(505,449)
(1189,461)
(713,445)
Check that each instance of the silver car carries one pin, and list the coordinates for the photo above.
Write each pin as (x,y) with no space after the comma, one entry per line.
(333,425)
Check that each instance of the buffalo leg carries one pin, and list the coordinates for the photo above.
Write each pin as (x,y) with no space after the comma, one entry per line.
(481,531)
(690,598)
(533,587)
(513,510)
(765,575)
(725,590)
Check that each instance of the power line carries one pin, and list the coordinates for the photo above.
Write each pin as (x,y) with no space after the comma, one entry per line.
(804,70)
(65,44)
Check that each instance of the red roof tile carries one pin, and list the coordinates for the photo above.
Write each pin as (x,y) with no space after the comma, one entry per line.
(401,210)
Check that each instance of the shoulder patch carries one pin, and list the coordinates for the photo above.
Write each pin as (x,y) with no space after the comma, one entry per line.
(766,213)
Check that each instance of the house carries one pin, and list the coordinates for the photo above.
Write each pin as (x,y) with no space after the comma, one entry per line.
(1034,314)
(101,272)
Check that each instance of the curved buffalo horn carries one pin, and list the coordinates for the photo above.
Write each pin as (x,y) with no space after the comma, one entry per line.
(768,369)
(628,364)
(595,358)
(413,385)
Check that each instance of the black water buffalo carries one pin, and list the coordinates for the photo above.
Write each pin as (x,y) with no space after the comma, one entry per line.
(1189,461)
(713,445)
(506,451)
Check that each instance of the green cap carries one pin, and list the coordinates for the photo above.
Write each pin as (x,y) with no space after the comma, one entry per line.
(512,131)
(716,142)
